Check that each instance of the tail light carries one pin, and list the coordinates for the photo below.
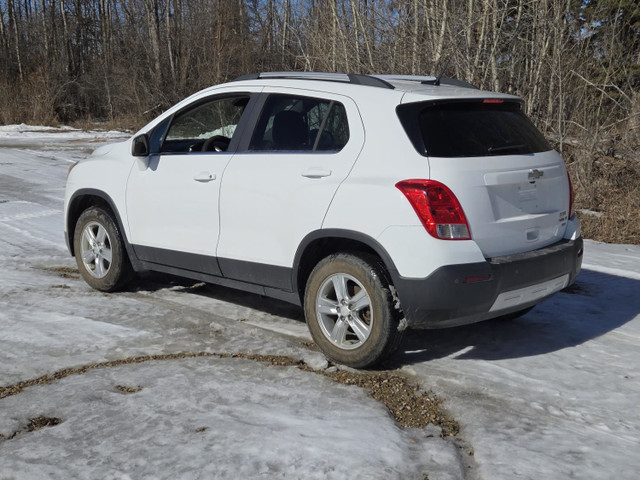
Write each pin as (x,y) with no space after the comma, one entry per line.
(570,196)
(437,207)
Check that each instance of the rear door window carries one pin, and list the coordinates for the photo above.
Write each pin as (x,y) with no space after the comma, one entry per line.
(294,123)
(471,129)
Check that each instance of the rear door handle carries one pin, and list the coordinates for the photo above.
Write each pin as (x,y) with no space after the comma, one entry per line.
(316,173)
(204,177)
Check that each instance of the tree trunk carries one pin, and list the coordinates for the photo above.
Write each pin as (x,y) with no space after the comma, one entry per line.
(16,37)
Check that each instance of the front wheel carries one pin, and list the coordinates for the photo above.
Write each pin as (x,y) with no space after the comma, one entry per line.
(99,250)
(350,310)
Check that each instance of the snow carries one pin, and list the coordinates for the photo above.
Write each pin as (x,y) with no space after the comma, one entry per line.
(208,418)
(78,142)
(551,395)
(593,213)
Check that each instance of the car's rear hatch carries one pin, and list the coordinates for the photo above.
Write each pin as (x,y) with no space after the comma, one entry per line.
(512,186)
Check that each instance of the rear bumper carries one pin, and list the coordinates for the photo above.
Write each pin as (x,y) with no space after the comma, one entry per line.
(472,292)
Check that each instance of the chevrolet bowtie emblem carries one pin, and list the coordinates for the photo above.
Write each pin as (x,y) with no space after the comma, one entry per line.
(535,174)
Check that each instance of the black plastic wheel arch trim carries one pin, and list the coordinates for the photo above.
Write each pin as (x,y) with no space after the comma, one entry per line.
(92,192)
(341,234)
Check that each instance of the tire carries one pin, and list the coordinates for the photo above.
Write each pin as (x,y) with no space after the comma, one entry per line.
(350,310)
(99,250)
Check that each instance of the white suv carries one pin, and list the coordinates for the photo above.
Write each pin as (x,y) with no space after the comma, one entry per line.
(378,203)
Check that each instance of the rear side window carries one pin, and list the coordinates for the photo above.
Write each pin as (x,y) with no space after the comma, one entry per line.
(471,129)
(292,123)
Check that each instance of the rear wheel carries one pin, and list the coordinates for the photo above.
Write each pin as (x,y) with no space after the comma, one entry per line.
(99,250)
(350,310)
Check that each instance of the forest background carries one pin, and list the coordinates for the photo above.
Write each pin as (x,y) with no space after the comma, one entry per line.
(120,63)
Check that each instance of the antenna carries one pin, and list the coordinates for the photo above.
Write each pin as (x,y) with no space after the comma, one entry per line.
(446,65)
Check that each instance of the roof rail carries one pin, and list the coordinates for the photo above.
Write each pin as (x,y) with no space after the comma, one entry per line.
(454,82)
(406,78)
(356,79)
(427,80)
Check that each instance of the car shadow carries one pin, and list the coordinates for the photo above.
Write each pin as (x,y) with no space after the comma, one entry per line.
(595,305)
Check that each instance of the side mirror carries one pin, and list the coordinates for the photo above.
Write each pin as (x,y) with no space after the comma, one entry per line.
(140,146)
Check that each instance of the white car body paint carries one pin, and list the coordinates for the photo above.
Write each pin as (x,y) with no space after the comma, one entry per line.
(271,200)
(105,171)
(507,212)
(170,209)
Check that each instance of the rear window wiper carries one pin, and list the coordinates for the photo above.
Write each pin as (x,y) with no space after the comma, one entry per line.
(503,148)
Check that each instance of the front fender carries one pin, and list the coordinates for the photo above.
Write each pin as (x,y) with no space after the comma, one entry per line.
(85,198)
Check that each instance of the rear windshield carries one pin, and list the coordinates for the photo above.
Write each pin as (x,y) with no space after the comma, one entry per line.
(471,129)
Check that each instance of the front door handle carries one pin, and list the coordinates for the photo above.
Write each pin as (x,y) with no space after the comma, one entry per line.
(316,173)
(204,177)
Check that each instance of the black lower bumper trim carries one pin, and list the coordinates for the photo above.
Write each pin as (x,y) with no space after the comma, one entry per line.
(444,299)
